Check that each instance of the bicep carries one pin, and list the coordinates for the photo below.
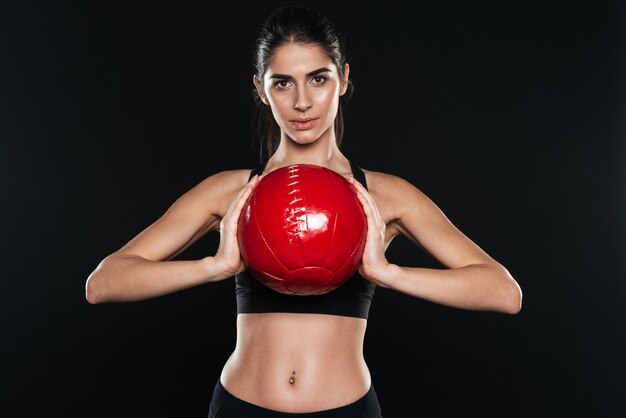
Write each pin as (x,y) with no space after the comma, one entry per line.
(421,221)
(190,217)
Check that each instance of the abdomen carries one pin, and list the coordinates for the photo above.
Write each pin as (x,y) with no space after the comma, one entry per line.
(325,351)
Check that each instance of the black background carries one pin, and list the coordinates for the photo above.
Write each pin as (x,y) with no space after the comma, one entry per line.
(508,115)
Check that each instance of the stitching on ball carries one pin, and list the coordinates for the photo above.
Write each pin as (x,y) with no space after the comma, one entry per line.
(296,222)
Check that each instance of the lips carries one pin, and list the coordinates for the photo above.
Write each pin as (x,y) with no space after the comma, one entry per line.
(303,124)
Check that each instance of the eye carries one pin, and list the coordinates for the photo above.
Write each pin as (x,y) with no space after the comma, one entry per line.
(280,87)
(319,81)
(321,78)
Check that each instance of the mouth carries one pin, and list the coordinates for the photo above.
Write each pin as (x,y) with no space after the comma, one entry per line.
(303,124)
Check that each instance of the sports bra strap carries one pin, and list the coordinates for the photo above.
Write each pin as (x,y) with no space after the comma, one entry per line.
(358,174)
(257,170)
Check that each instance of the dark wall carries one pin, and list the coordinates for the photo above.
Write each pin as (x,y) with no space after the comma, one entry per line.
(510,117)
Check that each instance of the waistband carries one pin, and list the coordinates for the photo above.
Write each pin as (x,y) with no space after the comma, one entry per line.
(367,406)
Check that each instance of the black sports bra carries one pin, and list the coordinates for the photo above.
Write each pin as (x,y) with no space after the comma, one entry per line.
(353,298)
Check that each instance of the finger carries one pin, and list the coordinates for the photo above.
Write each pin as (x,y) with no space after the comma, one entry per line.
(240,195)
(371,222)
(256,178)
(370,200)
(354,182)
(367,209)
(375,228)
(241,198)
(254,181)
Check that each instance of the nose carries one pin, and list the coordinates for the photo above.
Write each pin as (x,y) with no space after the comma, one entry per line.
(302,102)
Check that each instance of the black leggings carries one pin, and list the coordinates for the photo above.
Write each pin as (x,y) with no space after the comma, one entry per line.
(226,405)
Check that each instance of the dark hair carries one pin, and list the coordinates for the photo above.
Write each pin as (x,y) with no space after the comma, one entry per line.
(303,26)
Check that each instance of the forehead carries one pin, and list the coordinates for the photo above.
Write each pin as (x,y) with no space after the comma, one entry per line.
(298,59)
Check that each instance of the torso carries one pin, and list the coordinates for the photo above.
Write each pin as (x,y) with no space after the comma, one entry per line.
(326,351)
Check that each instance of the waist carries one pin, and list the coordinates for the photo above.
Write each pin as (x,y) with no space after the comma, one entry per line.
(324,351)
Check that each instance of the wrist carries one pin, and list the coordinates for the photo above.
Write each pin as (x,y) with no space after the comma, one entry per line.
(213,269)
(387,276)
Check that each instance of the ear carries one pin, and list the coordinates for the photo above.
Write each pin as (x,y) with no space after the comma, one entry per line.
(344,82)
(259,89)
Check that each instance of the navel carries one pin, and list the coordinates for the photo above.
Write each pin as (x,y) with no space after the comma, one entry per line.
(292,379)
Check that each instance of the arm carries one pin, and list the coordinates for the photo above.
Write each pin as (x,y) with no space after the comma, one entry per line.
(142,269)
(473,280)
(480,287)
(123,277)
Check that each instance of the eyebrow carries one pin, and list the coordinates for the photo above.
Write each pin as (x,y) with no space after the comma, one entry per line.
(312,73)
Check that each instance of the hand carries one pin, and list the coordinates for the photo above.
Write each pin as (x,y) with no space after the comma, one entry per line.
(374,264)
(228,251)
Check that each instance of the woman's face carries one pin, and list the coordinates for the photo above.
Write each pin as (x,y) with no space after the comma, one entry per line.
(302,83)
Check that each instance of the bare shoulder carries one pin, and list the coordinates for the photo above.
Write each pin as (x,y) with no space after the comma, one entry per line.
(222,182)
(196,212)
(393,192)
(217,190)
(380,179)
(420,220)
(208,200)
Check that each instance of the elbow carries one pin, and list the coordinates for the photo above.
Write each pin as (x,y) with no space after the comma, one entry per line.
(513,298)
(94,287)
(90,294)
(514,305)
(508,296)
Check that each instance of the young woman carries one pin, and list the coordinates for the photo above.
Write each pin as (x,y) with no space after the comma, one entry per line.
(303,355)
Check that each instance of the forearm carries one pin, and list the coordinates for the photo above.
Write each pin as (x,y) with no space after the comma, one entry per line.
(482,287)
(127,278)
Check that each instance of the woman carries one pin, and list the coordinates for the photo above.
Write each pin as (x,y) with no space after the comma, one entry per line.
(303,355)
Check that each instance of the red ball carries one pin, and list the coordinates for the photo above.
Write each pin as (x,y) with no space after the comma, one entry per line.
(302,230)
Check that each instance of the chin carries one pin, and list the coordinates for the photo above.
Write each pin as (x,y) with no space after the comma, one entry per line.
(304,137)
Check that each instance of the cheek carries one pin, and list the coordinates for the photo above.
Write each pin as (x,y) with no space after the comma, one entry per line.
(281,106)
(325,97)
(329,101)
(281,102)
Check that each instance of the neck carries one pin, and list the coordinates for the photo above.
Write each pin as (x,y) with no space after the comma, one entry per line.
(323,151)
